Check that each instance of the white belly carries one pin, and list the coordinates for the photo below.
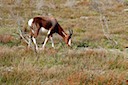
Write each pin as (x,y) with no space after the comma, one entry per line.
(43,30)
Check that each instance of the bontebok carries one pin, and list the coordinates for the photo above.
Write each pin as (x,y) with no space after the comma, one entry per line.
(49,25)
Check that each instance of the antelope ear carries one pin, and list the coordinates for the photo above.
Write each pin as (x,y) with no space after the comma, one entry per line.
(70,32)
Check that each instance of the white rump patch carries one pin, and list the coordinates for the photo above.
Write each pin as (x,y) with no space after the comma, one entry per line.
(30,22)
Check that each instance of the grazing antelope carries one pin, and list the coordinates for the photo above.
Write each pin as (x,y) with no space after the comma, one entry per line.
(49,25)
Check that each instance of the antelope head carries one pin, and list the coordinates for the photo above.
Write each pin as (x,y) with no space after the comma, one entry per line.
(68,38)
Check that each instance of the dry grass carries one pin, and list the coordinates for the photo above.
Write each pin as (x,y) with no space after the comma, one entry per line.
(6,38)
(82,66)
(93,59)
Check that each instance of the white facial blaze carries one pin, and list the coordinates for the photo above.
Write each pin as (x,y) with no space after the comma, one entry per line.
(30,22)
(69,42)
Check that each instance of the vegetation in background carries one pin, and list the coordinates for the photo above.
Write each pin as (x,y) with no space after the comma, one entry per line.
(99,54)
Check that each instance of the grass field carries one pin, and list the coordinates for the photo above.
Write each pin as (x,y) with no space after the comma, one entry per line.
(99,53)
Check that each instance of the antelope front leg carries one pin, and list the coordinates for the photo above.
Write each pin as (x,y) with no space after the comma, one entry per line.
(52,41)
(46,40)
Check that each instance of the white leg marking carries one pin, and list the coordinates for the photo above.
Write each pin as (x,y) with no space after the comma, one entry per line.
(30,22)
(52,42)
(34,41)
(49,32)
(46,39)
